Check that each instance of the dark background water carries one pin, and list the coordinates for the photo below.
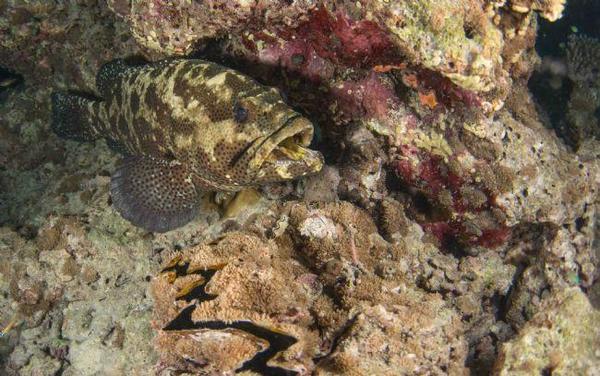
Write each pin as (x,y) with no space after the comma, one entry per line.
(581,17)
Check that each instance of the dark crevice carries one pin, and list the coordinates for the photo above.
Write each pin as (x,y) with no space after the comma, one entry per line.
(8,81)
(277,341)
(199,291)
(504,303)
(547,371)
(341,332)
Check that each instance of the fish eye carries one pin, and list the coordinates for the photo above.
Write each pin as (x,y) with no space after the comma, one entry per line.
(240,113)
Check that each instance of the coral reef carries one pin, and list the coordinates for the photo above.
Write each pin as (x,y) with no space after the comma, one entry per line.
(449,226)
(169,28)
(76,309)
(549,9)
(460,40)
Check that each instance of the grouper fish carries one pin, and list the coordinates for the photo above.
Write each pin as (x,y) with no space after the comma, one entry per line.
(186,127)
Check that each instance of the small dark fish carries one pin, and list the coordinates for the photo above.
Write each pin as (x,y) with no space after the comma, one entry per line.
(6,82)
(186,126)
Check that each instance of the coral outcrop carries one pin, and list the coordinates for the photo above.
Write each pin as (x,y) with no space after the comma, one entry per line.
(71,303)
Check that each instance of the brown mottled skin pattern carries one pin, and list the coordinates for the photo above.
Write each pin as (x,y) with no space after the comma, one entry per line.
(186,110)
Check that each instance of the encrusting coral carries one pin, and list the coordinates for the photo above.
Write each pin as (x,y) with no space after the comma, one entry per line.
(459,40)
(549,9)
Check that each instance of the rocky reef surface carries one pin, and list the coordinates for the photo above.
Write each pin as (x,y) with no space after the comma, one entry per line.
(453,230)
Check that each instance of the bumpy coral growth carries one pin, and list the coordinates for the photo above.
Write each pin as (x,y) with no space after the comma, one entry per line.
(242,305)
(560,338)
(549,9)
(460,40)
(161,25)
(36,36)
(583,54)
(453,38)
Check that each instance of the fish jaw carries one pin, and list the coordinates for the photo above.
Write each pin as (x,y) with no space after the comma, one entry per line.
(284,155)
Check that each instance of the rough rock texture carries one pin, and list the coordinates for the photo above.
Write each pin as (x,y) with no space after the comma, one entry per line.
(447,214)
(60,43)
(459,39)
(161,26)
(563,338)
(75,305)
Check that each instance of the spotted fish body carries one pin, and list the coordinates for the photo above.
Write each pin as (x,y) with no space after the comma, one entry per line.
(186,126)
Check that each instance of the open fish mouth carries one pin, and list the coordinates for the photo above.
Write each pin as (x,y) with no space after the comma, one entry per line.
(285,154)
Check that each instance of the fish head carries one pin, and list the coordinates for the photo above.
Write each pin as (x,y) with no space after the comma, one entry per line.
(262,140)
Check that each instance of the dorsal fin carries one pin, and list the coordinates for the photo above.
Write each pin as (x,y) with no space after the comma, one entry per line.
(110,74)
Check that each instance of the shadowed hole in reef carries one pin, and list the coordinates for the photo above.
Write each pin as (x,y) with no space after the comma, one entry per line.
(8,80)
(198,292)
(277,341)
(339,335)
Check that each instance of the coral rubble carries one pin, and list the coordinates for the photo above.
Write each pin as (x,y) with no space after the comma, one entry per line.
(60,43)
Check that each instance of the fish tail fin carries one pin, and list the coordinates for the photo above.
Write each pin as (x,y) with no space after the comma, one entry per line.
(72,118)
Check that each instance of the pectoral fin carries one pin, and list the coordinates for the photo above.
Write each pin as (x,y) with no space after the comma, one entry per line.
(154,194)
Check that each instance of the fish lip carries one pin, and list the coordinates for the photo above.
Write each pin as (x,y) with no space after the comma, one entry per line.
(256,145)
(286,124)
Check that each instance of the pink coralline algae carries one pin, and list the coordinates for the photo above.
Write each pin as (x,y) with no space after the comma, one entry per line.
(321,44)
(448,212)
(361,76)
(447,92)
(342,40)
(459,200)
